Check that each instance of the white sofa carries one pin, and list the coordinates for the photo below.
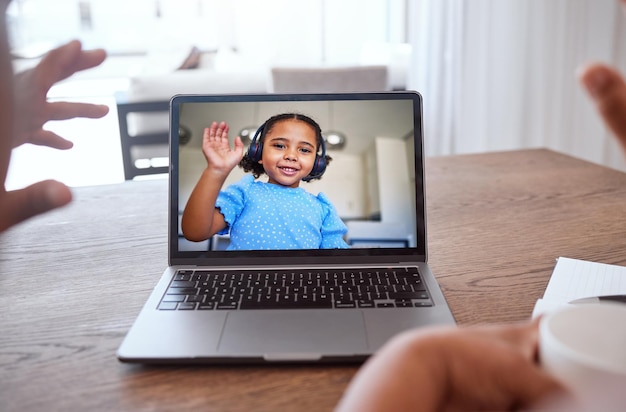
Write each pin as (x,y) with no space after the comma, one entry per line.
(143,108)
(161,87)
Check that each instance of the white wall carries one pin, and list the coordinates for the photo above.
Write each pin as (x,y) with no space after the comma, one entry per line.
(280,32)
(343,183)
(394,184)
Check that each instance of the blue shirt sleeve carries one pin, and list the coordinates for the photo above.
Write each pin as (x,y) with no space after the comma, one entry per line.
(230,201)
(333,228)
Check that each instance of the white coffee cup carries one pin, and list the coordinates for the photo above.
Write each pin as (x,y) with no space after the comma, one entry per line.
(584,347)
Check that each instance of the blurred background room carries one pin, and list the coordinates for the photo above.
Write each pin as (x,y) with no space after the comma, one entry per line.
(494,74)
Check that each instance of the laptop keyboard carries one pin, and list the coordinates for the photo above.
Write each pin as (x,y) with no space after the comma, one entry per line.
(296,289)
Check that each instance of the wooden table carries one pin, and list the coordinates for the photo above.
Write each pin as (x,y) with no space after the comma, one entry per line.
(496,224)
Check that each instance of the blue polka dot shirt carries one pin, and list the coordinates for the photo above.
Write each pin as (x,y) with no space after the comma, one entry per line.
(266,216)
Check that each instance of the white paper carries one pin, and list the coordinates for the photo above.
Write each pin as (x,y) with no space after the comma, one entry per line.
(574,279)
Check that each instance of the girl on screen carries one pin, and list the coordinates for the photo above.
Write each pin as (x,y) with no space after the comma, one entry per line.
(277,214)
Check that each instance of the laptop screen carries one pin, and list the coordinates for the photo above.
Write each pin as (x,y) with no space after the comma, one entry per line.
(337,176)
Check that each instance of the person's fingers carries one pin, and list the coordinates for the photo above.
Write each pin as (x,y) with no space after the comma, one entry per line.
(62,62)
(537,387)
(19,205)
(222,132)
(215,131)
(208,131)
(50,139)
(511,348)
(524,336)
(225,131)
(68,110)
(608,89)
(90,59)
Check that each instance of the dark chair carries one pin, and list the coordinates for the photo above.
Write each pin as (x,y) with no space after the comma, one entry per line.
(138,151)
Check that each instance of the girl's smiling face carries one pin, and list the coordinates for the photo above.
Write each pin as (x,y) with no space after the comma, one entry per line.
(289,150)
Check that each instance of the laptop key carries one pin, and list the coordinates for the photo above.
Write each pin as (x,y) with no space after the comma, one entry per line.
(423,304)
(408,295)
(181,291)
(228,305)
(168,305)
(206,306)
(183,275)
(186,306)
(308,304)
(418,286)
(183,284)
(403,288)
(385,305)
(174,298)
(344,305)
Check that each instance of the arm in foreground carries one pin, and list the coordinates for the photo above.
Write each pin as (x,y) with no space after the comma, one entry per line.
(476,368)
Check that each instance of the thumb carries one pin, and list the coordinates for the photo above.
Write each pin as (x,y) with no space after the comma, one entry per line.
(239,146)
(19,205)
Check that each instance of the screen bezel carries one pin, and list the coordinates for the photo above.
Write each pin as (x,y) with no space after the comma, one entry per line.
(296,257)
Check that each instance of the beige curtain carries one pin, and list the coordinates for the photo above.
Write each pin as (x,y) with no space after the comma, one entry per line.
(501,74)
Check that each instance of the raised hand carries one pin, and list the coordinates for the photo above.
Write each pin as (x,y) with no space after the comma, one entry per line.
(608,90)
(25,110)
(201,219)
(32,109)
(216,148)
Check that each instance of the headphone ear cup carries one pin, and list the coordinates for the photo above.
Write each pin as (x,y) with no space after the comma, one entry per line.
(319,166)
(255,150)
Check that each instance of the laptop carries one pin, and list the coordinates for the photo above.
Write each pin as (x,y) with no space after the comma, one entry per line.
(217,304)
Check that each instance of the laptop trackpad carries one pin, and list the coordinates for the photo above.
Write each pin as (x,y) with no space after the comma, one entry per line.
(294,334)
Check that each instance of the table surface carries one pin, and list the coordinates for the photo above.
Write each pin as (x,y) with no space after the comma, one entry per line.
(496,224)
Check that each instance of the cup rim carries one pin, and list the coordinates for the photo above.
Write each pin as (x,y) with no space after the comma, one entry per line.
(593,362)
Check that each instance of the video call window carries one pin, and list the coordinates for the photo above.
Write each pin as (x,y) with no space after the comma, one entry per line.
(370,181)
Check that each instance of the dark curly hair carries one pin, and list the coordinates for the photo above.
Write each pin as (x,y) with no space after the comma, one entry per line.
(250,165)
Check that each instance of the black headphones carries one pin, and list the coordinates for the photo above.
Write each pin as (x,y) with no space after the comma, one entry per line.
(255,151)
